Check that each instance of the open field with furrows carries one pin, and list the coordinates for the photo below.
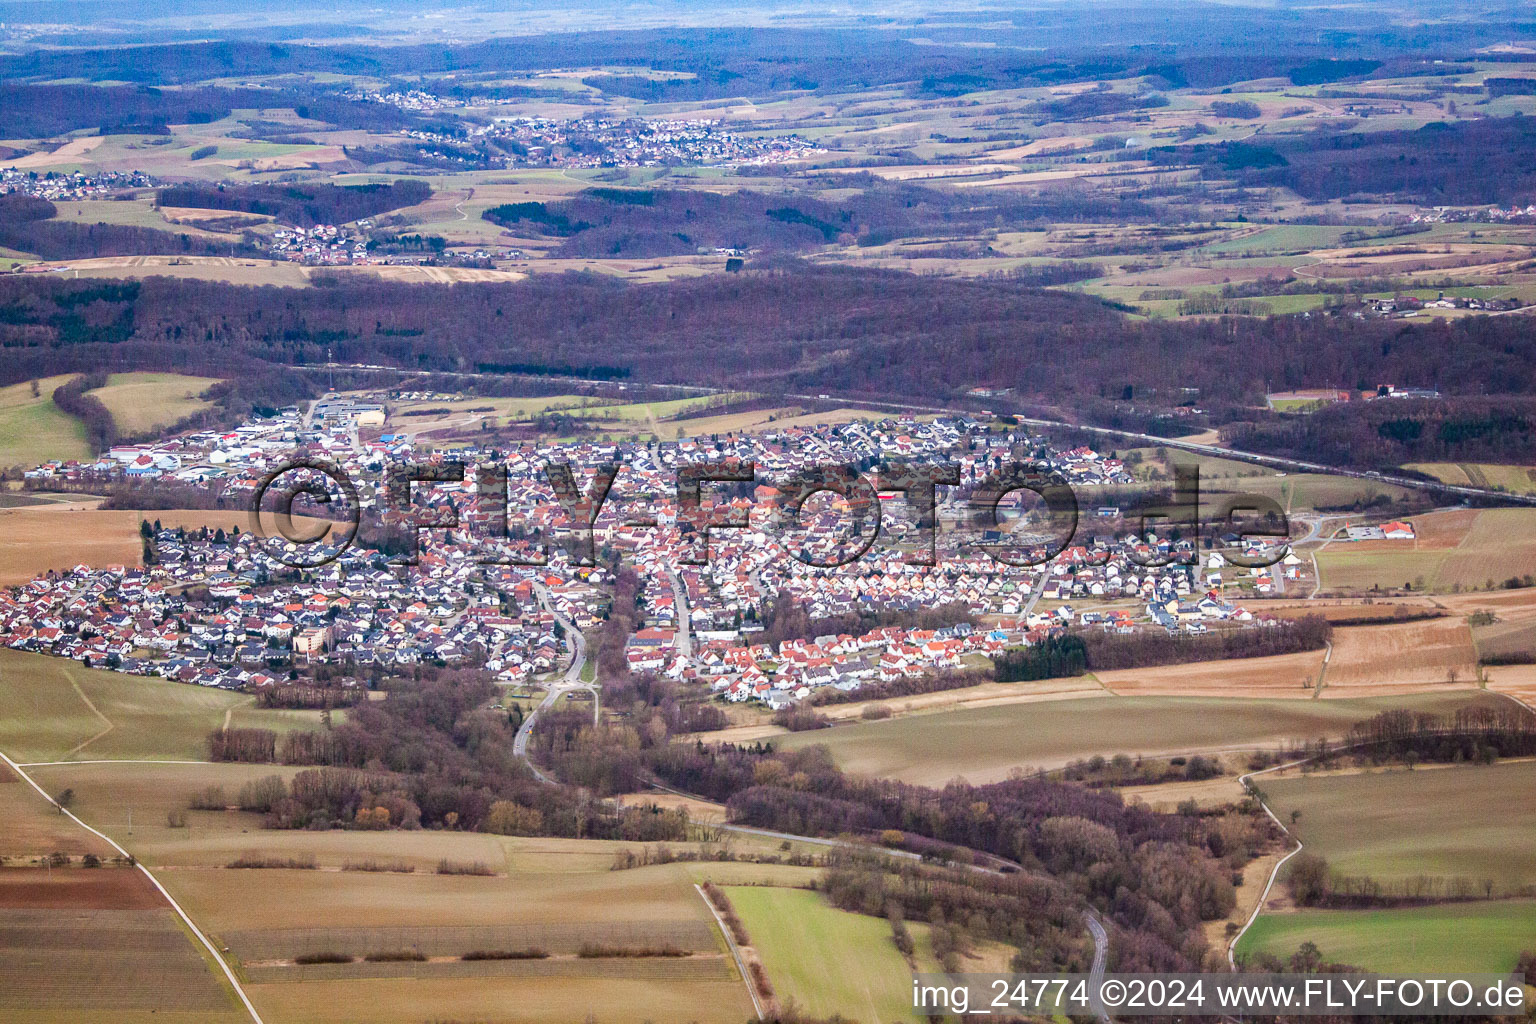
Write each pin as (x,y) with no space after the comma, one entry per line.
(57,710)
(494,1000)
(96,945)
(556,895)
(828,961)
(1465,549)
(258,272)
(1513,629)
(1346,609)
(1428,652)
(131,801)
(1167,796)
(1421,941)
(987,744)
(467,413)
(233,270)
(144,402)
(33,429)
(551,893)
(1282,675)
(981,695)
(1373,823)
(1500,544)
(567,888)
(62,535)
(1517,681)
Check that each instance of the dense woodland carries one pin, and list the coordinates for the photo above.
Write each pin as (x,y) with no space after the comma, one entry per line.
(1390,433)
(40,111)
(1157,875)
(790,328)
(434,755)
(1460,163)
(1093,651)
(28,224)
(612,222)
(1196,43)
(1481,732)
(300,205)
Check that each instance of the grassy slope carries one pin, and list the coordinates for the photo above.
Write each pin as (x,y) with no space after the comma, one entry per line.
(827,960)
(34,430)
(984,743)
(1422,940)
(1373,824)
(43,716)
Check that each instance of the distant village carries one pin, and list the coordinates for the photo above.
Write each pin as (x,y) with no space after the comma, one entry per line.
(224,609)
(598,141)
(53,186)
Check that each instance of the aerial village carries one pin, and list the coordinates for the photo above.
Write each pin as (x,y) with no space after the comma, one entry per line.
(230,610)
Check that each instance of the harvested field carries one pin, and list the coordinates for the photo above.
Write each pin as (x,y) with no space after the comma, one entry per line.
(1509,605)
(554,894)
(658,896)
(86,963)
(981,695)
(1346,610)
(1515,681)
(99,944)
(36,538)
(1167,796)
(232,270)
(1435,651)
(1513,629)
(107,795)
(557,938)
(1281,675)
(1503,640)
(77,888)
(33,828)
(65,154)
(697,810)
(1515,479)
(141,403)
(715,967)
(1463,548)
(1501,544)
(489,1000)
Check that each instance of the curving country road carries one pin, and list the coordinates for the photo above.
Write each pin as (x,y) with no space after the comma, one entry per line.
(1100,959)
(1275,872)
(568,681)
(197,933)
